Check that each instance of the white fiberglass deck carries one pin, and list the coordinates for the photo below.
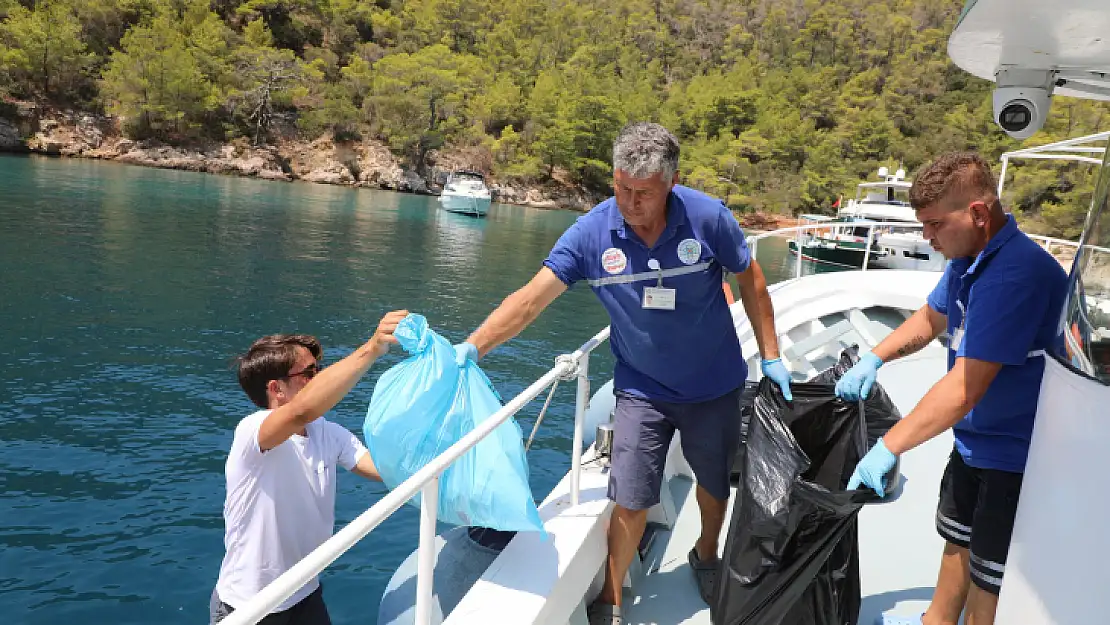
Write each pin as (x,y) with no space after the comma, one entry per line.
(899,548)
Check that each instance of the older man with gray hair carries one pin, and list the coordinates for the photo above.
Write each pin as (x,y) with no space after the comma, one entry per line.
(655,255)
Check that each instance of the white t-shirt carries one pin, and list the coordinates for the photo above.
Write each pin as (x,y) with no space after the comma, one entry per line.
(280,504)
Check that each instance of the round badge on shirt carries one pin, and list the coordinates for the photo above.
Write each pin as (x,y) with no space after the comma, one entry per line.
(689,251)
(613,260)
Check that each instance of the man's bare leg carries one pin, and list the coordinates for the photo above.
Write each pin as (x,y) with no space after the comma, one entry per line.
(981,606)
(952,587)
(712,519)
(626,528)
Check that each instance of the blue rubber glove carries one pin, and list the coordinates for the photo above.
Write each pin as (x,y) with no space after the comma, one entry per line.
(465,351)
(856,383)
(872,469)
(775,370)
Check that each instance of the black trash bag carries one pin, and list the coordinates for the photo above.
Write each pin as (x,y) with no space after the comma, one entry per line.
(747,407)
(880,413)
(791,556)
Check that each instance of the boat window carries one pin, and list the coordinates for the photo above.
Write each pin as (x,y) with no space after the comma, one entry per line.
(1087,312)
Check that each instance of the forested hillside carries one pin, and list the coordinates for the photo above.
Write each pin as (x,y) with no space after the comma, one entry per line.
(781,105)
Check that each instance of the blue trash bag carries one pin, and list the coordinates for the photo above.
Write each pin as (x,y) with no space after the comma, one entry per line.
(425,404)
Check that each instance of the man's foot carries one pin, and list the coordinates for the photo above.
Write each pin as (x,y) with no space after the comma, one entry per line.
(598,613)
(705,574)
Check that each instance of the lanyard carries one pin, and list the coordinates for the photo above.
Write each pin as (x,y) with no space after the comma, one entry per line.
(654,266)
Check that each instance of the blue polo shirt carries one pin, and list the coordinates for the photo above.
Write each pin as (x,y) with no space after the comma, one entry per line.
(691,353)
(1013,295)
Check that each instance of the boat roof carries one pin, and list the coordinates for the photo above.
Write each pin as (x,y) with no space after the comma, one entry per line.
(880,211)
(1067,37)
(468,172)
(901,184)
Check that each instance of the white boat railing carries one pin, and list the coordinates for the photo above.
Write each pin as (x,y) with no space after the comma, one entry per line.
(426,480)
(753,241)
(1075,149)
(1045,241)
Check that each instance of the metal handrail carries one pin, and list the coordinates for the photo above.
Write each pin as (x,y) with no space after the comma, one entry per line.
(753,241)
(1053,240)
(1066,150)
(832,224)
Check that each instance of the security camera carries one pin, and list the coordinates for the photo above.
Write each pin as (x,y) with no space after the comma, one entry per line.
(1021,101)
(1021,111)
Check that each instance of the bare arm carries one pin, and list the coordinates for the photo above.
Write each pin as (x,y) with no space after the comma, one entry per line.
(760,311)
(365,468)
(914,334)
(328,387)
(517,311)
(727,288)
(944,405)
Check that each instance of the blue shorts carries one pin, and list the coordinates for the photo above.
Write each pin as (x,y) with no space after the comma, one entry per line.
(642,433)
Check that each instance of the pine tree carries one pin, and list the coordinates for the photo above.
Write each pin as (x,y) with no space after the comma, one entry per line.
(41,51)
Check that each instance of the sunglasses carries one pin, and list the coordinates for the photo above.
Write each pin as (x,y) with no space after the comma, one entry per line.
(308,372)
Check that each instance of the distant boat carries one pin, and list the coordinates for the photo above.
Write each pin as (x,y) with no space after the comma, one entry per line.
(466,193)
(845,242)
(888,201)
(840,245)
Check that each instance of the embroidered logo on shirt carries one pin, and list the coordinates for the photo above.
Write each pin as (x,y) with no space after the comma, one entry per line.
(613,260)
(689,251)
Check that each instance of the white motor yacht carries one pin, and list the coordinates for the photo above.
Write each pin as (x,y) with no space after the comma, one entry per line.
(465,192)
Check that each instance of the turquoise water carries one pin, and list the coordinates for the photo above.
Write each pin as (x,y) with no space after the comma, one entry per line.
(126,292)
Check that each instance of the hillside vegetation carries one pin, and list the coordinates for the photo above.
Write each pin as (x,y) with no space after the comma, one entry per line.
(781,106)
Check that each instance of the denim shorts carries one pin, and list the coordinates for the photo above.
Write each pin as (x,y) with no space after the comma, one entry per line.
(642,433)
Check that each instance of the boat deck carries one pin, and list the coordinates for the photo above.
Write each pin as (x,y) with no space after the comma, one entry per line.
(896,584)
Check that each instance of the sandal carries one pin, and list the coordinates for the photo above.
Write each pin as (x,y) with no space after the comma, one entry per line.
(706,576)
(599,613)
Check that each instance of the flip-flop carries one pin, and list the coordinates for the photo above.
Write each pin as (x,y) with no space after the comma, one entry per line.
(598,613)
(705,574)
(890,619)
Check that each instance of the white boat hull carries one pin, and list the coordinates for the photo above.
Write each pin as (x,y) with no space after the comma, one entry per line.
(908,251)
(1057,561)
(465,204)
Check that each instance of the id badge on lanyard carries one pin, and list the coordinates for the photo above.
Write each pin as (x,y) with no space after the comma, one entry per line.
(656,297)
(958,335)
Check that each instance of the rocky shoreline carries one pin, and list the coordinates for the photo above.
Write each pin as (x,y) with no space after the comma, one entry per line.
(361,163)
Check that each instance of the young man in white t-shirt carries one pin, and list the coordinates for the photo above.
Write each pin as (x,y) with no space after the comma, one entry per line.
(281,472)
